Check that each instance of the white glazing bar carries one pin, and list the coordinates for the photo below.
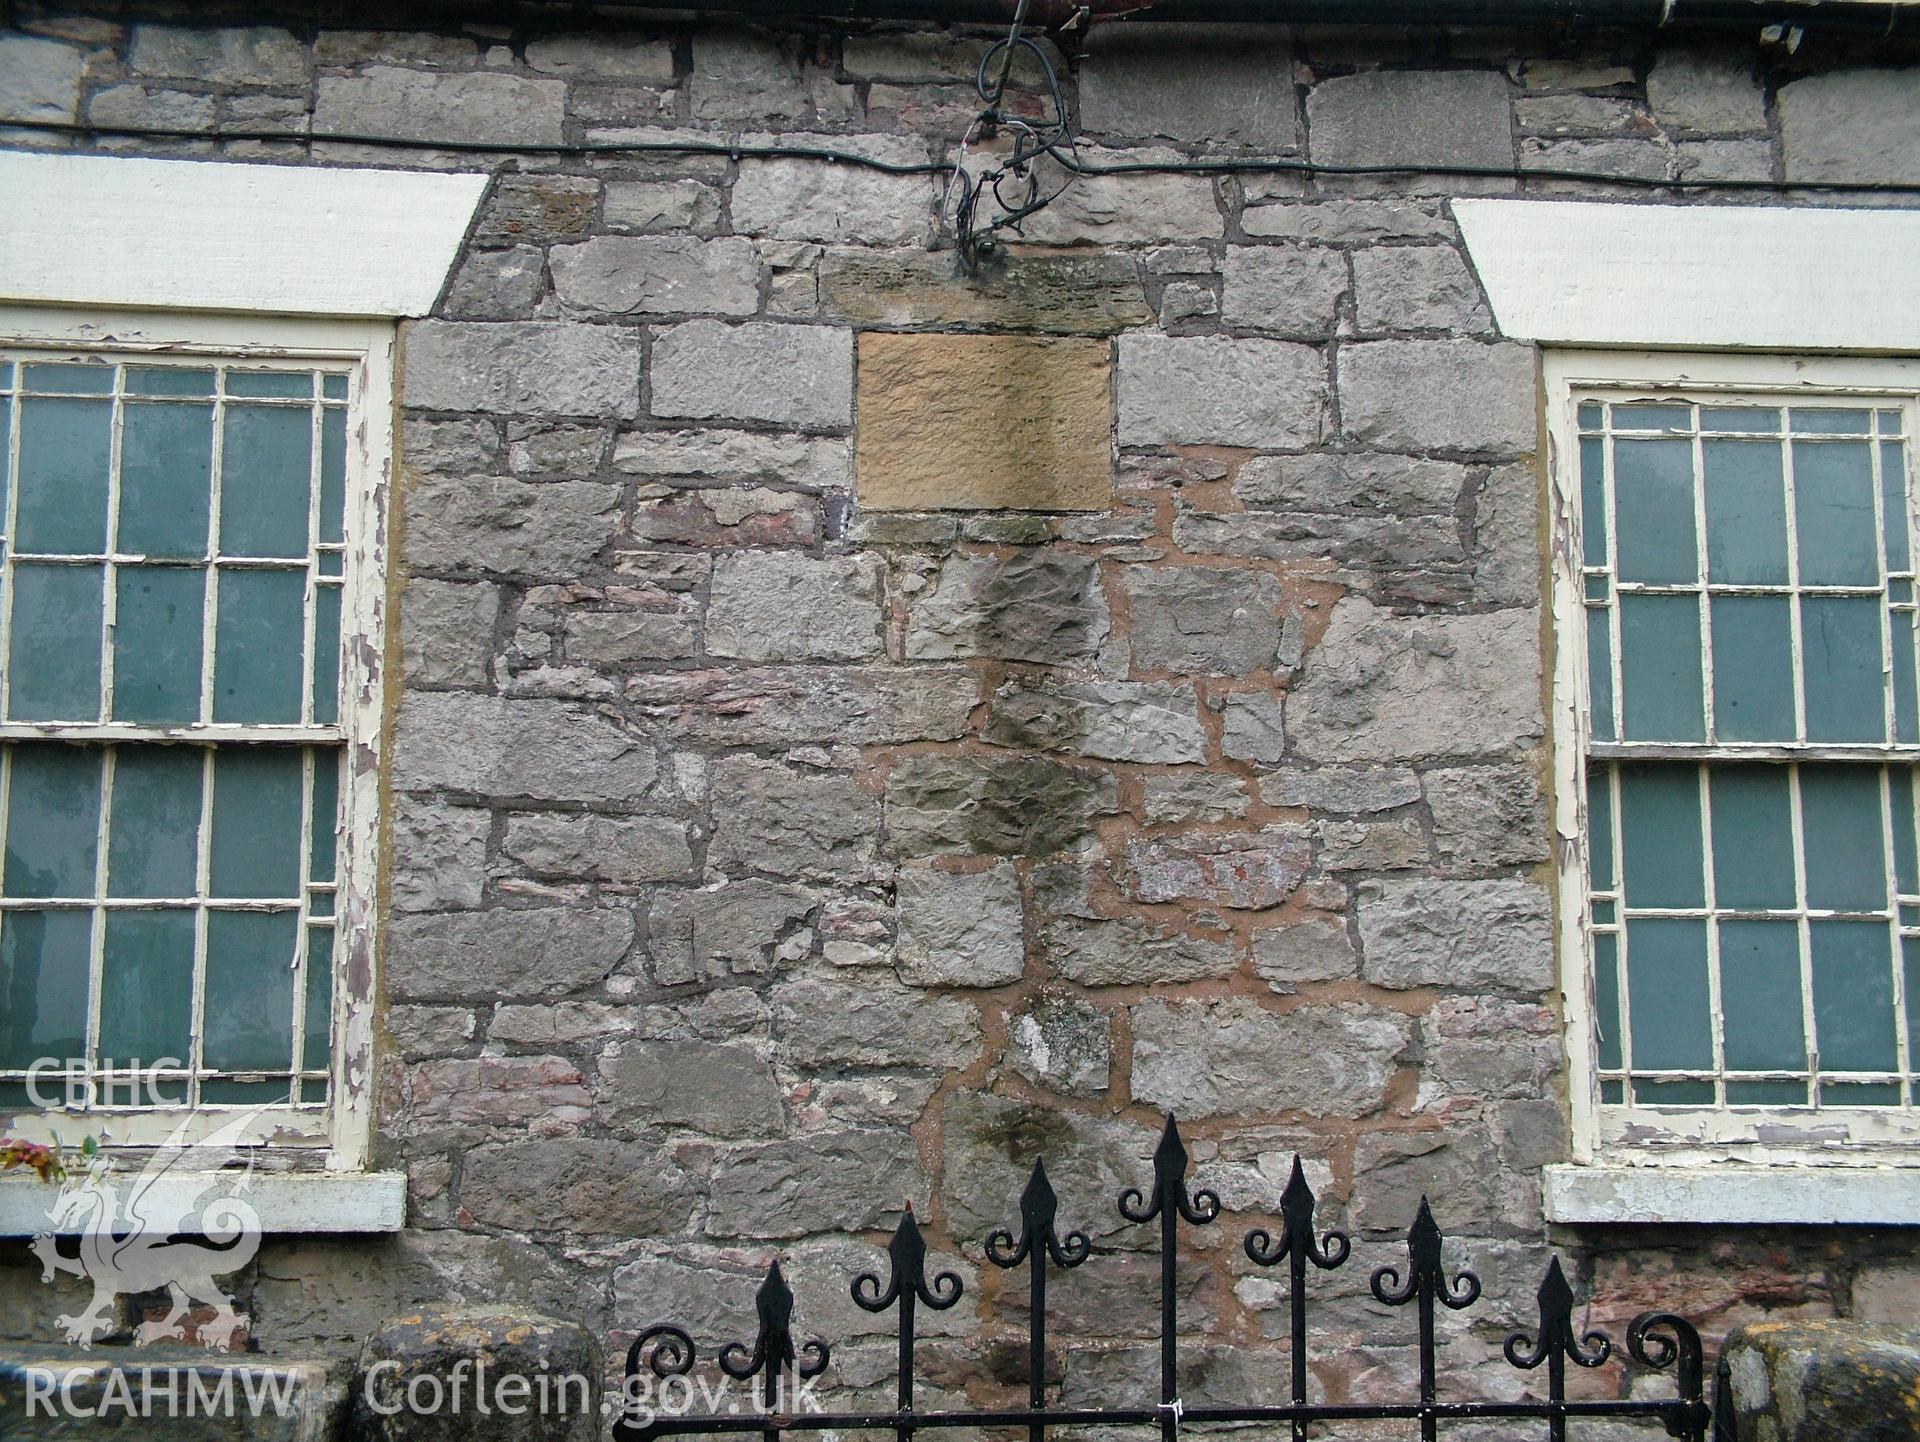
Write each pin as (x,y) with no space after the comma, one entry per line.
(311,601)
(1709,709)
(210,599)
(1795,632)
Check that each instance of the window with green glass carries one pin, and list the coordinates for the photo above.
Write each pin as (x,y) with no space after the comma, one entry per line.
(172,567)
(1753,901)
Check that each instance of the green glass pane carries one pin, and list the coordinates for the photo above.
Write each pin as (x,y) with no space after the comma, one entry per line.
(168,381)
(264,476)
(1652,416)
(1667,993)
(6,374)
(156,644)
(1673,1093)
(153,836)
(1660,836)
(44,959)
(1746,512)
(1766,1093)
(1660,668)
(69,378)
(1833,513)
(1910,958)
(1906,723)
(1840,647)
(1853,995)
(1600,828)
(6,457)
(319,904)
(1900,789)
(1763,420)
(221,1093)
(317,1053)
(14,1096)
(294,385)
(326,655)
(65,453)
(1589,415)
(258,655)
(1895,515)
(1600,676)
(1752,838)
(1593,501)
(333,476)
(1760,996)
(1604,912)
(53,820)
(249,1006)
(1753,668)
(54,660)
(1859,1094)
(334,387)
(1606,1000)
(146,988)
(255,848)
(1845,857)
(1653,511)
(1888,422)
(166,476)
(1831,421)
(324,849)
(333,564)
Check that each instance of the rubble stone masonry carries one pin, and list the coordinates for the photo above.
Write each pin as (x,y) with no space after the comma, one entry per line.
(762,853)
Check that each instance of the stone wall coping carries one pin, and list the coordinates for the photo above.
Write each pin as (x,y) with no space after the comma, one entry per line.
(1860,1195)
(303,1202)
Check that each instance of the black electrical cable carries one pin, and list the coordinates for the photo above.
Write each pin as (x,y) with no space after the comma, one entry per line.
(1220,166)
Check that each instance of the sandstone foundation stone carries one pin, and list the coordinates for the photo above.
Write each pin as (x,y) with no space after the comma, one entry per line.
(1045,401)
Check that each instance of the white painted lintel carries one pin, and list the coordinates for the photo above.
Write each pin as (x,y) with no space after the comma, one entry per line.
(1734,1194)
(286,1202)
(1698,277)
(226,236)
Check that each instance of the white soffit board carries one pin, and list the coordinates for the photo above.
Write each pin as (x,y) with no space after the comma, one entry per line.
(212,235)
(1701,276)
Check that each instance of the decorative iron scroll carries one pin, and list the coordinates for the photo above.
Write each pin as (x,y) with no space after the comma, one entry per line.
(1657,1340)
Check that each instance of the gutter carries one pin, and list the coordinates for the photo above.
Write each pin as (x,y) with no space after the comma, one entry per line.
(1883,17)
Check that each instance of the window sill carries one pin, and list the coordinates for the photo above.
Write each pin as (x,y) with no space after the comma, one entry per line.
(288,1202)
(1734,1194)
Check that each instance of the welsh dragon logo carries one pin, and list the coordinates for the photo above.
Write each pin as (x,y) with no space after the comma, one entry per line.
(158,1229)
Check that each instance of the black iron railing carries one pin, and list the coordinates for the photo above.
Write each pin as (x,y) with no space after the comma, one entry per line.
(1658,1340)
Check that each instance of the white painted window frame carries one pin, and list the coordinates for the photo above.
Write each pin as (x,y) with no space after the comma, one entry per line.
(1615,1136)
(343,1143)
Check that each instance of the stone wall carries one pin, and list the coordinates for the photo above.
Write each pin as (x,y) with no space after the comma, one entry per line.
(764,850)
